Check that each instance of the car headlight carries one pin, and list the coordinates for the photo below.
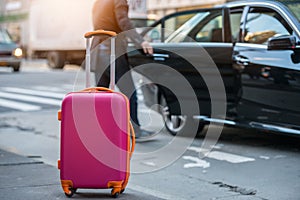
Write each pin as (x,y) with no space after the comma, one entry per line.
(18,52)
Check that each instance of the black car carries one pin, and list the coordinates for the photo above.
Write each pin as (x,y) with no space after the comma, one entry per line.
(10,52)
(256,48)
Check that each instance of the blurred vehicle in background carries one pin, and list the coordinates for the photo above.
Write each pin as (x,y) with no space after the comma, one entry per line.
(10,52)
(55,29)
(256,48)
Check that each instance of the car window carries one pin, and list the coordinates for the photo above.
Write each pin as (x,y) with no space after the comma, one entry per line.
(154,34)
(295,8)
(206,26)
(235,23)
(4,37)
(262,24)
(174,23)
(170,26)
(212,31)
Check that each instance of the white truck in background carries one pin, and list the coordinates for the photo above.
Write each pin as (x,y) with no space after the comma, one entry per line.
(55,29)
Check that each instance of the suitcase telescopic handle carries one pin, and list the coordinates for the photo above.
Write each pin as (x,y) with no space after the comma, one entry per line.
(90,34)
(99,32)
(97,89)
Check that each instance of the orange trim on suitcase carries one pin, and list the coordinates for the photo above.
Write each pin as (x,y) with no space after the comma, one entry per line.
(66,185)
(99,32)
(116,187)
(58,164)
(59,115)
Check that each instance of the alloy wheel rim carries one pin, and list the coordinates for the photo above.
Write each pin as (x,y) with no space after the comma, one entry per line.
(174,123)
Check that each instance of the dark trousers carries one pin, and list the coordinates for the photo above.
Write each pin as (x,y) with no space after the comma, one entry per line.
(124,82)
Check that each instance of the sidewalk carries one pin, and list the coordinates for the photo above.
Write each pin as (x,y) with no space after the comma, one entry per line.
(26,178)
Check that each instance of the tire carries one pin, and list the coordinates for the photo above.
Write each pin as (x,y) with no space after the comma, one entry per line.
(16,68)
(56,60)
(77,62)
(180,124)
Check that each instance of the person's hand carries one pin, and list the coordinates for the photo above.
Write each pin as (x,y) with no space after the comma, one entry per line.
(147,48)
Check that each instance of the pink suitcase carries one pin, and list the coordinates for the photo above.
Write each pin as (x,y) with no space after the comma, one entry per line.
(96,134)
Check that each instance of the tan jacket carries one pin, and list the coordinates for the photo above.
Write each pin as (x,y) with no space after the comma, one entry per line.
(112,15)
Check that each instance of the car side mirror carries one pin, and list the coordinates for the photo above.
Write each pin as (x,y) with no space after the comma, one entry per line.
(285,42)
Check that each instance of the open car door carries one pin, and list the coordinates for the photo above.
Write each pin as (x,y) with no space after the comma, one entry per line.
(200,51)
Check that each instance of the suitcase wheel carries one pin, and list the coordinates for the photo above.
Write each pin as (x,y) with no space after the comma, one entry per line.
(71,192)
(117,188)
(116,192)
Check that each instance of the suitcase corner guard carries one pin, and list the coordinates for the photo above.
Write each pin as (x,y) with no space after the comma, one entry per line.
(67,186)
(117,187)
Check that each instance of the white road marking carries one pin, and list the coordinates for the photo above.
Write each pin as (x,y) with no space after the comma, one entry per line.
(279,156)
(218,155)
(21,97)
(197,149)
(48,88)
(196,162)
(18,105)
(264,157)
(232,158)
(217,146)
(34,92)
(149,163)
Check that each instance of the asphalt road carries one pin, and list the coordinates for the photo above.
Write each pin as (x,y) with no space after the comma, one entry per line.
(244,164)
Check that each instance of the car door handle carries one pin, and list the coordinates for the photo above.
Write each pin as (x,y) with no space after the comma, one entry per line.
(241,60)
(160,57)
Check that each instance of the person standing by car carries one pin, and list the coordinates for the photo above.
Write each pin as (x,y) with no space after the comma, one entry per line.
(112,15)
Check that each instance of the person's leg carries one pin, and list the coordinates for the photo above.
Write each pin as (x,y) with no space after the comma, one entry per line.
(103,81)
(125,83)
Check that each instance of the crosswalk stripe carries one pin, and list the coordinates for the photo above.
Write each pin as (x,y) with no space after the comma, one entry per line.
(18,105)
(34,99)
(34,92)
(63,88)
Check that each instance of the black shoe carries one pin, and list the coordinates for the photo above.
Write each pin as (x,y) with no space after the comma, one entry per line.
(142,135)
